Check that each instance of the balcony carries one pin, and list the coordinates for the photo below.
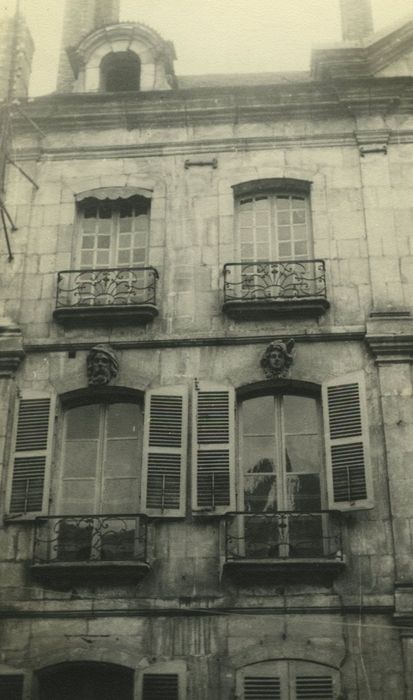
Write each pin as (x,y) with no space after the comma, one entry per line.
(275,289)
(115,295)
(90,547)
(284,547)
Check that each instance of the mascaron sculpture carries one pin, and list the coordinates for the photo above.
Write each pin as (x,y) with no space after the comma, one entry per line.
(102,365)
(277,358)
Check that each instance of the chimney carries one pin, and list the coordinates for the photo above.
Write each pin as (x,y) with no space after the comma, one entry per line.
(16,53)
(356,19)
(80,18)
(107,12)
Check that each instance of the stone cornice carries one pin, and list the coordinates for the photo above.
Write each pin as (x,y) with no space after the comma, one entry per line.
(192,611)
(218,105)
(390,336)
(374,141)
(355,334)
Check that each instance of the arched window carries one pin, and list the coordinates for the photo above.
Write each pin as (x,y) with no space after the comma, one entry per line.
(101,464)
(99,484)
(273,220)
(120,72)
(85,681)
(281,459)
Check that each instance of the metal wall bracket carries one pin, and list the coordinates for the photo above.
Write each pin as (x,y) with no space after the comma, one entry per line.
(200,163)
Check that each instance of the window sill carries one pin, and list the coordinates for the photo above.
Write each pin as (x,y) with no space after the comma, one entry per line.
(251,309)
(90,571)
(309,570)
(82,315)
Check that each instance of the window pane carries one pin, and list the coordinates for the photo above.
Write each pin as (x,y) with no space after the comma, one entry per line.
(283,218)
(299,233)
(284,233)
(303,492)
(300,415)
(285,250)
(104,225)
(88,242)
(258,454)
(125,225)
(124,257)
(103,241)
(123,420)
(260,493)
(283,202)
(122,457)
(300,248)
(139,256)
(258,416)
(125,240)
(299,216)
(102,257)
(83,422)
(120,496)
(262,202)
(78,497)
(303,453)
(86,258)
(80,458)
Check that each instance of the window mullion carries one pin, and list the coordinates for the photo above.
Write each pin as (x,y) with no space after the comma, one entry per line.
(273,232)
(114,248)
(101,457)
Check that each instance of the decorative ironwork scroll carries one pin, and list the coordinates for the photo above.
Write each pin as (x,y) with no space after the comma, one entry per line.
(276,280)
(124,286)
(283,535)
(88,538)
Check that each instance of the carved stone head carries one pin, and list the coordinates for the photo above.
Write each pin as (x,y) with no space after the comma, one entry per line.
(278,358)
(102,365)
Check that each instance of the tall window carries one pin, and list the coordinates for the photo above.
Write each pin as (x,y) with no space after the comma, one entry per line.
(120,72)
(114,233)
(101,475)
(274,227)
(101,459)
(282,472)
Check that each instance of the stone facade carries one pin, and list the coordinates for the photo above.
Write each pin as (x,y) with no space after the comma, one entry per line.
(189,615)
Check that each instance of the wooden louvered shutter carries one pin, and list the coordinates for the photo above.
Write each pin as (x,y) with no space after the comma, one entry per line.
(262,688)
(28,489)
(314,688)
(165,452)
(347,443)
(11,687)
(213,482)
(160,686)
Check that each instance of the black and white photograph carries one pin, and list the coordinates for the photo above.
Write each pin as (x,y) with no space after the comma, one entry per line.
(206,350)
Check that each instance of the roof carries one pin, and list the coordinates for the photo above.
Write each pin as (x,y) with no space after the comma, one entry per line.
(238,79)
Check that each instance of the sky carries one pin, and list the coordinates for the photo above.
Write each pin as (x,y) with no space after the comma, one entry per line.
(213,36)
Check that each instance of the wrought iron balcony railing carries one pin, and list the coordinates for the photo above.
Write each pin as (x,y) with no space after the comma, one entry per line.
(90,539)
(280,286)
(285,535)
(122,292)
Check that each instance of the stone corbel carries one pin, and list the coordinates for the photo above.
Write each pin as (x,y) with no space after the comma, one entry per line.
(390,336)
(11,348)
(375,141)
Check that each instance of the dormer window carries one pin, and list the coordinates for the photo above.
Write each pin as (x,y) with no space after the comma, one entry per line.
(120,72)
